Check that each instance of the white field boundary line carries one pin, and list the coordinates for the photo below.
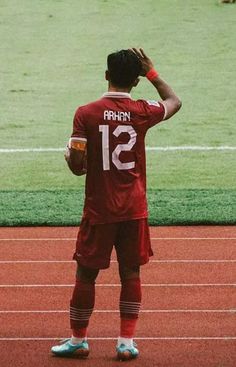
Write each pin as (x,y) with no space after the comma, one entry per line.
(179,338)
(118,285)
(152,239)
(148,149)
(115,261)
(114,311)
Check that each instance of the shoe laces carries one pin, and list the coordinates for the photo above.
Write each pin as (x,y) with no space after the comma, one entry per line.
(62,341)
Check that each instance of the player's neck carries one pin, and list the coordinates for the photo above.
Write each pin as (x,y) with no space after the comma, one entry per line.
(112,88)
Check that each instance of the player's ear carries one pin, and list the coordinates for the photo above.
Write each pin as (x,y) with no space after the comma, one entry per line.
(136,82)
(107,76)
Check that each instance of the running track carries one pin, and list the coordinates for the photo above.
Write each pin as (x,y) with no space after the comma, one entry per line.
(188,314)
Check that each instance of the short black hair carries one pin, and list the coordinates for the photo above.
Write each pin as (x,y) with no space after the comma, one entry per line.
(124,67)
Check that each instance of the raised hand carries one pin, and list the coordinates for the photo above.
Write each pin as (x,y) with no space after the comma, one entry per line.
(147,63)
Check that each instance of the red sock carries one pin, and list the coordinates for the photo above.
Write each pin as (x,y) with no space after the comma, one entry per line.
(81,307)
(127,327)
(130,302)
(80,333)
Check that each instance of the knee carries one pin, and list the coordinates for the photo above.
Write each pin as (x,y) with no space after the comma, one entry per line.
(87,275)
(129,272)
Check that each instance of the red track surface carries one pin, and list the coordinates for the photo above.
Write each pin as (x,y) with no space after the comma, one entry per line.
(188,314)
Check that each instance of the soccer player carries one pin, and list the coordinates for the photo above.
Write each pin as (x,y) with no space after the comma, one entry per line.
(107,144)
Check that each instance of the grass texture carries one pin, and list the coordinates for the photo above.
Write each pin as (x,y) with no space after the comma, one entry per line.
(166,207)
(53,59)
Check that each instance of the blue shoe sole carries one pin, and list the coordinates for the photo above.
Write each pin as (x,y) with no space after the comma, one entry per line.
(81,353)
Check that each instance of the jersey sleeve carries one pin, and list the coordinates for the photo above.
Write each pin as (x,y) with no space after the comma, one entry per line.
(79,128)
(155,112)
(78,139)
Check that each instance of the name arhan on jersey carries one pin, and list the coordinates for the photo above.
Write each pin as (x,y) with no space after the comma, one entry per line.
(116,115)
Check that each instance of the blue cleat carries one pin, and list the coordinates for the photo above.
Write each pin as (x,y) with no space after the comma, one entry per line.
(125,353)
(66,349)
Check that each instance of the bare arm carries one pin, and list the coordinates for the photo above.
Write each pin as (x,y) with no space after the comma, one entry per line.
(170,100)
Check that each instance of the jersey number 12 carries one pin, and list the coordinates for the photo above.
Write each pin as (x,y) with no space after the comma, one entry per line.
(104,129)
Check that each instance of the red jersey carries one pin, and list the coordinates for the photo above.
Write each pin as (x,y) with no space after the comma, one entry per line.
(115,127)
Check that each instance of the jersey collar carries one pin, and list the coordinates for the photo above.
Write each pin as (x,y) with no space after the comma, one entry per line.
(116,95)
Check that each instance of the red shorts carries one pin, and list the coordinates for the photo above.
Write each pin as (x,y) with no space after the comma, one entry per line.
(95,243)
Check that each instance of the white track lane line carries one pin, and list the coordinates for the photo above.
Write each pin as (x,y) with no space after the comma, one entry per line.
(117,285)
(115,261)
(152,238)
(222,338)
(115,311)
(192,238)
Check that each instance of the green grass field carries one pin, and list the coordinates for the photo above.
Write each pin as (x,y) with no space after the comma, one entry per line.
(53,59)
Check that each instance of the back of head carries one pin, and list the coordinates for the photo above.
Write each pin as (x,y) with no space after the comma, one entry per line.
(124,67)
